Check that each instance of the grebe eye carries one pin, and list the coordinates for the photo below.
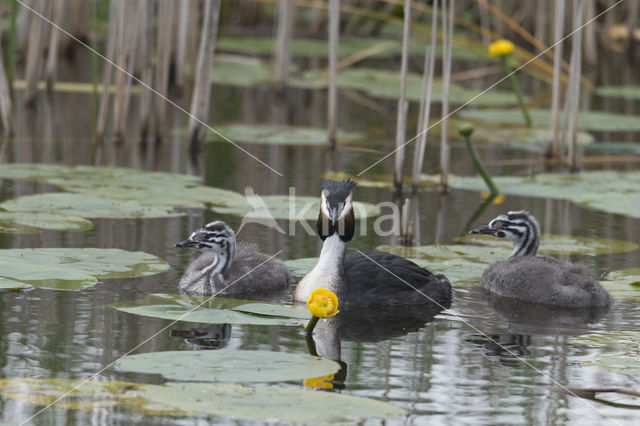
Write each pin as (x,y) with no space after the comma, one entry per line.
(500,234)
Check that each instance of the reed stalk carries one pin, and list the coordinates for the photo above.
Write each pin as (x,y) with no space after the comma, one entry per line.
(6,104)
(552,149)
(401,123)
(165,24)
(447,35)
(181,41)
(332,101)
(114,15)
(146,74)
(590,35)
(284,36)
(34,54)
(425,100)
(202,88)
(54,42)
(11,54)
(574,83)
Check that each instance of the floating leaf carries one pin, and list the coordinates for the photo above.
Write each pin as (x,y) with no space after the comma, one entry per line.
(273,310)
(216,310)
(623,284)
(273,404)
(627,92)
(607,190)
(301,267)
(280,135)
(587,120)
(557,244)
(463,48)
(385,84)
(228,366)
(9,284)
(290,208)
(625,361)
(68,269)
(29,223)
(241,72)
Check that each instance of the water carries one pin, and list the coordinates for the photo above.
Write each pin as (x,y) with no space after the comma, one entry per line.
(447,372)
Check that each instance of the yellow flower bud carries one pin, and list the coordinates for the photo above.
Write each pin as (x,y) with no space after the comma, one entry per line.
(323,303)
(501,47)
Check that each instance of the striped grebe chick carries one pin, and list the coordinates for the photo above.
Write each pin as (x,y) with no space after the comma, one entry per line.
(365,278)
(226,268)
(528,277)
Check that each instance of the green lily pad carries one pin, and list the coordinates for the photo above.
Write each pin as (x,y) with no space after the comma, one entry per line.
(272,404)
(385,84)
(280,135)
(627,92)
(9,284)
(587,120)
(301,267)
(228,366)
(624,361)
(273,310)
(111,192)
(29,223)
(242,72)
(623,284)
(606,190)
(284,207)
(216,310)
(557,244)
(69,269)
(300,47)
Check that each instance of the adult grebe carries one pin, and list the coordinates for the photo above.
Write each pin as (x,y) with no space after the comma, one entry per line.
(225,268)
(364,278)
(532,278)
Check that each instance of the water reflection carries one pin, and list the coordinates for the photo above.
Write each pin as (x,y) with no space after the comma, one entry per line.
(210,336)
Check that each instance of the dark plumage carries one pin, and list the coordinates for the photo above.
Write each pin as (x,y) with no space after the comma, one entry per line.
(540,279)
(367,278)
(226,269)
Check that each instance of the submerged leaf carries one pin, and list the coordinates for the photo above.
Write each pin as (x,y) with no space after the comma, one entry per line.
(228,366)
(280,135)
(68,269)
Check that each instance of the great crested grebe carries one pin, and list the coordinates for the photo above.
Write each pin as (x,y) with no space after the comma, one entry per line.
(532,278)
(226,268)
(364,278)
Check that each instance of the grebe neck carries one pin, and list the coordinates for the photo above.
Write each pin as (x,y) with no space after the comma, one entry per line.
(327,273)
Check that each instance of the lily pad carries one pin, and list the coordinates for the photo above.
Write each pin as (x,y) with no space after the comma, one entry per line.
(385,84)
(272,404)
(8,284)
(558,244)
(228,366)
(463,49)
(587,120)
(623,284)
(626,92)
(29,223)
(280,135)
(216,310)
(624,361)
(289,208)
(606,190)
(273,310)
(243,72)
(112,192)
(69,269)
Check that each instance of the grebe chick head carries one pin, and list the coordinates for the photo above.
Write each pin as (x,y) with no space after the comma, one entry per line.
(518,226)
(217,237)
(336,210)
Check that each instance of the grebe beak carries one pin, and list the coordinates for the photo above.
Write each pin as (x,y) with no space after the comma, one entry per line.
(334,215)
(485,230)
(187,243)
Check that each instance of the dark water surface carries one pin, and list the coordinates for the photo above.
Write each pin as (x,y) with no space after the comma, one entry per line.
(447,372)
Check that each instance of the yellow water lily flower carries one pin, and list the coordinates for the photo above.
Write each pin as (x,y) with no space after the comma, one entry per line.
(323,382)
(322,303)
(501,47)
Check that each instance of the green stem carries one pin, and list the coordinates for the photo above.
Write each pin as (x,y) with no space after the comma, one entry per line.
(312,324)
(311,344)
(516,89)
(480,167)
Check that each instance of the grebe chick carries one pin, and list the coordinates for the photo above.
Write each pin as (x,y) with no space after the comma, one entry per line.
(531,278)
(365,278)
(241,267)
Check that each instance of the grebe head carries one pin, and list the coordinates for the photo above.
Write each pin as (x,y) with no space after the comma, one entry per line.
(518,226)
(336,210)
(217,237)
